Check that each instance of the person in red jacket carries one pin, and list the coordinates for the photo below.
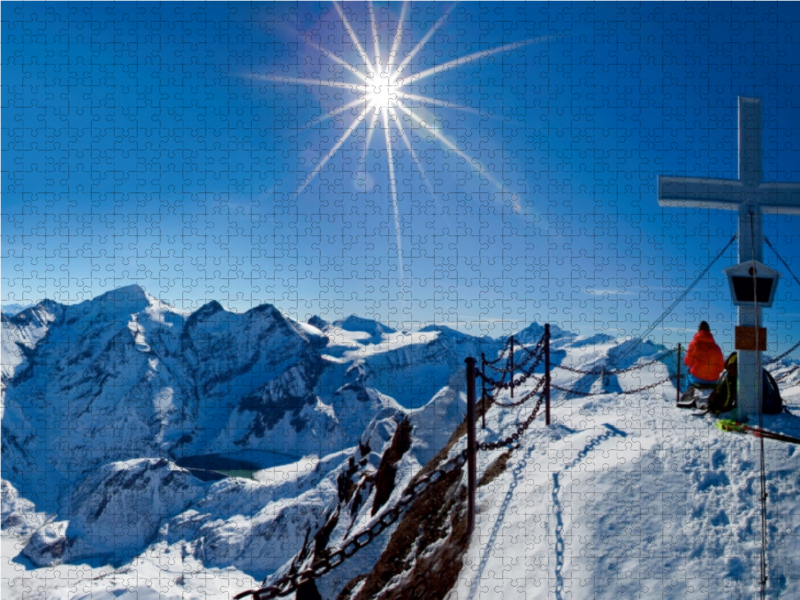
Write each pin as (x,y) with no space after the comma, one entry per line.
(704,358)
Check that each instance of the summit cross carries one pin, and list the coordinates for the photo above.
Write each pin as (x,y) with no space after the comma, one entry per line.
(751,196)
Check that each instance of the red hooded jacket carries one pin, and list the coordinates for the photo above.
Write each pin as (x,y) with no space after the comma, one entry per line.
(704,358)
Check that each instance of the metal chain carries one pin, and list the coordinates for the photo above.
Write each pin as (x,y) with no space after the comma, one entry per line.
(622,393)
(498,369)
(521,428)
(535,353)
(535,350)
(658,358)
(500,385)
(289,583)
(784,355)
(522,400)
(503,385)
(502,352)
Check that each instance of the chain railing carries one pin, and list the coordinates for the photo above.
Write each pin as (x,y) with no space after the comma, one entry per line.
(619,393)
(635,367)
(290,582)
(521,428)
(537,389)
(286,584)
(536,355)
(784,355)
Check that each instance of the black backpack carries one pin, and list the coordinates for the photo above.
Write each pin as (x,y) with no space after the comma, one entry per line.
(771,401)
(723,398)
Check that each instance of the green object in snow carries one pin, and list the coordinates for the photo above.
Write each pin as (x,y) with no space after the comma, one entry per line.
(734,427)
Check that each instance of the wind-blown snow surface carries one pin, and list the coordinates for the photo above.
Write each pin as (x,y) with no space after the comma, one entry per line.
(630,497)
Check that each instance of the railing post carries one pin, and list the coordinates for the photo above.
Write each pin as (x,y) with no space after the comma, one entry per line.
(512,366)
(483,390)
(677,401)
(471,458)
(547,373)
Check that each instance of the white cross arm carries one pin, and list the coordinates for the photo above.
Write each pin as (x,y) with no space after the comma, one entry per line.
(779,198)
(701,193)
(697,192)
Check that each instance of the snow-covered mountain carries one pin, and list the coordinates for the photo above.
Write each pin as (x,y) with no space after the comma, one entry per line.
(117,409)
(12,308)
(113,393)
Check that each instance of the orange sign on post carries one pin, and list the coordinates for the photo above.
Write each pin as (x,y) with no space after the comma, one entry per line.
(746,339)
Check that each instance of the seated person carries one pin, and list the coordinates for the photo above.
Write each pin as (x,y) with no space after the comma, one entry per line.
(704,358)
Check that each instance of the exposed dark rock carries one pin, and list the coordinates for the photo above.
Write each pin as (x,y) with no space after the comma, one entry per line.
(345,482)
(308,591)
(438,518)
(324,534)
(317,322)
(385,476)
(363,448)
(494,470)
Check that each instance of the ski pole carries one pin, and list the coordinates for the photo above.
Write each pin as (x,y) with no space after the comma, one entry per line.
(734,427)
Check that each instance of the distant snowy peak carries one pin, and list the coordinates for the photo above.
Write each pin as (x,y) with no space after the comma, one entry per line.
(786,372)
(318,323)
(593,340)
(23,331)
(122,301)
(627,352)
(444,330)
(38,315)
(352,333)
(356,323)
(358,330)
(14,308)
(533,332)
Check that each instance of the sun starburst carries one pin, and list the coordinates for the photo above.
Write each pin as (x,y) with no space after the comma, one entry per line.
(384,88)
(385,97)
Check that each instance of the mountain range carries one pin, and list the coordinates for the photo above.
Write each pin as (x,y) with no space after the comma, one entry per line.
(239,446)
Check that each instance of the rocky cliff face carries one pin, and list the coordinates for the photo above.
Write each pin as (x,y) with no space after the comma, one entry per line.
(124,376)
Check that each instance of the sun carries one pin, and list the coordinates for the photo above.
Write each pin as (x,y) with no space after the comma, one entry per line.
(384,87)
(381,92)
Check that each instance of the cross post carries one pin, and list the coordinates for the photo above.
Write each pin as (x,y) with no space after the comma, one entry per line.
(751,196)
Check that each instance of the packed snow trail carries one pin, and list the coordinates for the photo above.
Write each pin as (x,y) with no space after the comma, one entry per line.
(630,497)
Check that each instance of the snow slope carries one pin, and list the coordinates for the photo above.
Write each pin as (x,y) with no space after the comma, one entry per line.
(626,496)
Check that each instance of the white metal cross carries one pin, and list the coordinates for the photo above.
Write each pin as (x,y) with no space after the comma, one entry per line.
(751,196)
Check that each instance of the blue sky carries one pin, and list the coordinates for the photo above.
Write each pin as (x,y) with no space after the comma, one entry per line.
(171,145)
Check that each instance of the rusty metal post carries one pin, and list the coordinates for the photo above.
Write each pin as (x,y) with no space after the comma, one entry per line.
(484,400)
(471,449)
(512,366)
(547,373)
(677,401)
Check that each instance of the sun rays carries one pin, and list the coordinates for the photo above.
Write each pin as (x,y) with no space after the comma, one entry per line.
(376,86)
(384,88)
